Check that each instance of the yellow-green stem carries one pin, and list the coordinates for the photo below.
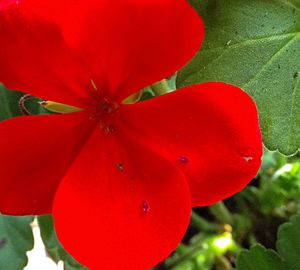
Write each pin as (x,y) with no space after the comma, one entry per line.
(160,88)
(221,213)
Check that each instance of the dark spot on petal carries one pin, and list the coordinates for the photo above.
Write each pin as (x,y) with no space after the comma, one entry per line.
(183,159)
(120,167)
(145,207)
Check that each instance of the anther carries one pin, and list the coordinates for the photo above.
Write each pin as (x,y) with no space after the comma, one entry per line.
(94,84)
(108,129)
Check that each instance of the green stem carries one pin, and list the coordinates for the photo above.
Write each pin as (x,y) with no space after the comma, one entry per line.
(160,88)
(222,263)
(252,239)
(202,224)
(189,253)
(221,213)
(186,252)
(182,249)
(282,160)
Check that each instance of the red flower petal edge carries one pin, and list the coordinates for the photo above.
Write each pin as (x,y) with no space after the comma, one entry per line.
(60,58)
(35,59)
(124,179)
(138,165)
(136,205)
(209,131)
(36,152)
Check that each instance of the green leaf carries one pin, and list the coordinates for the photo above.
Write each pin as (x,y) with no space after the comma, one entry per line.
(288,244)
(276,196)
(9,104)
(53,246)
(255,45)
(259,258)
(16,239)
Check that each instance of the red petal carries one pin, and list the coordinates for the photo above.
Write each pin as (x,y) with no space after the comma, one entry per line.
(35,152)
(134,206)
(210,131)
(134,43)
(35,59)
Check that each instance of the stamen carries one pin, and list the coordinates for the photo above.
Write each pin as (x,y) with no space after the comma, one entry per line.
(94,85)
(108,129)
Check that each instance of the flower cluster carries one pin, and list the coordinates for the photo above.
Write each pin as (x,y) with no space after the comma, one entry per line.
(120,179)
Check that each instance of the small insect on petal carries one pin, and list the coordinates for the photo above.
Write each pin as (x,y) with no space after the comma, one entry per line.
(248,158)
(183,159)
(145,207)
(120,167)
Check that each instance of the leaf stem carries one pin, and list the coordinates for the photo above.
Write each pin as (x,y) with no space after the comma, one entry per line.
(221,213)
(202,224)
(222,263)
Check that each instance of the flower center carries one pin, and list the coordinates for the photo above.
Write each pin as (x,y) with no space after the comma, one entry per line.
(104,113)
(106,107)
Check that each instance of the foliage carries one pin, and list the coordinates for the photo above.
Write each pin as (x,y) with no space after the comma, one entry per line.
(253,216)
(16,239)
(52,245)
(9,104)
(288,251)
(255,45)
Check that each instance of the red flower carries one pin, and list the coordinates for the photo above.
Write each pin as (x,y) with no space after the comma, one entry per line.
(119,179)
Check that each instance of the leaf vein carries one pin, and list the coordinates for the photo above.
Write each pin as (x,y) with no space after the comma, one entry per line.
(271,60)
(253,40)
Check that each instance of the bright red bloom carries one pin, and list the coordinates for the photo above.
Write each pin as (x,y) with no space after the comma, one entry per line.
(119,179)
